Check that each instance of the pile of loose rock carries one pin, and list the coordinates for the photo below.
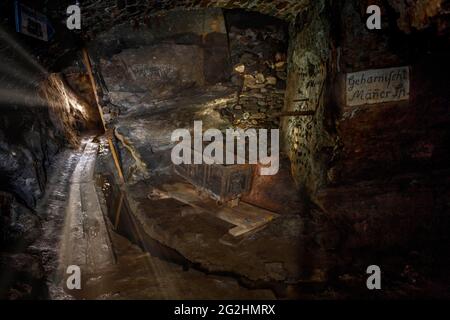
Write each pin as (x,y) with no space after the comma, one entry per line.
(259,60)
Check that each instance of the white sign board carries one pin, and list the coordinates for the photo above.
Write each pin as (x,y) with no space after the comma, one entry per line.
(377,86)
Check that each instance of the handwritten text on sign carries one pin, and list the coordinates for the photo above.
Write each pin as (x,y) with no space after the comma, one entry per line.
(377,86)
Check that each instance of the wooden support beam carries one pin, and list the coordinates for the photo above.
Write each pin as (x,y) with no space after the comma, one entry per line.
(87,63)
(294,113)
(116,160)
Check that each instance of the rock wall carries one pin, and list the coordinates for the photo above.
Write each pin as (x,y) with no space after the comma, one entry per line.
(380,170)
(309,140)
(29,138)
(179,52)
(152,72)
(258,47)
(78,82)
(420,14)
(40,116)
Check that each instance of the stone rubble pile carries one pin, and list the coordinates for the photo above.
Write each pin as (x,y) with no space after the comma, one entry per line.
(259,71)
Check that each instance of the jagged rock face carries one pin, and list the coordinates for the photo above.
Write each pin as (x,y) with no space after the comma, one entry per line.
(22,273)
(19,226)
(153,72)
(145,136)
(25,154)
(30,136)
(25,277)
(77,82)
(184,51)
(419,14)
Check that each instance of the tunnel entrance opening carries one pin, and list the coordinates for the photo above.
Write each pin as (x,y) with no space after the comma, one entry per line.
(78,82)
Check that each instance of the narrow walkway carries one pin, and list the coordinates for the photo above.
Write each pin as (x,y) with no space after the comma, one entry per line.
(86,240)
(74,231)
(51,210)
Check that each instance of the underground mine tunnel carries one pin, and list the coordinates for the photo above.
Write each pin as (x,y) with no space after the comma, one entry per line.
(320,150)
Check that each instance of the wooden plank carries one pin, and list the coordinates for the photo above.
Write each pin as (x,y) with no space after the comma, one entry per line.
(88,65)
(245,217)
(239,230)
(86,241)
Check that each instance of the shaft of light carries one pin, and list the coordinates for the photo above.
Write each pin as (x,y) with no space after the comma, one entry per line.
(21,51)
(28,98)
(15,72)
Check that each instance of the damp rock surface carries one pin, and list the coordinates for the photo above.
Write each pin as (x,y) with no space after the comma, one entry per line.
(204,240)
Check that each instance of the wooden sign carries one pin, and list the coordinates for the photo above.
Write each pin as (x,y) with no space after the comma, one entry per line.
(377,86)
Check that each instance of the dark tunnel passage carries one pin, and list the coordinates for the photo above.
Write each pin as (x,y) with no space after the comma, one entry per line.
(228,150)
